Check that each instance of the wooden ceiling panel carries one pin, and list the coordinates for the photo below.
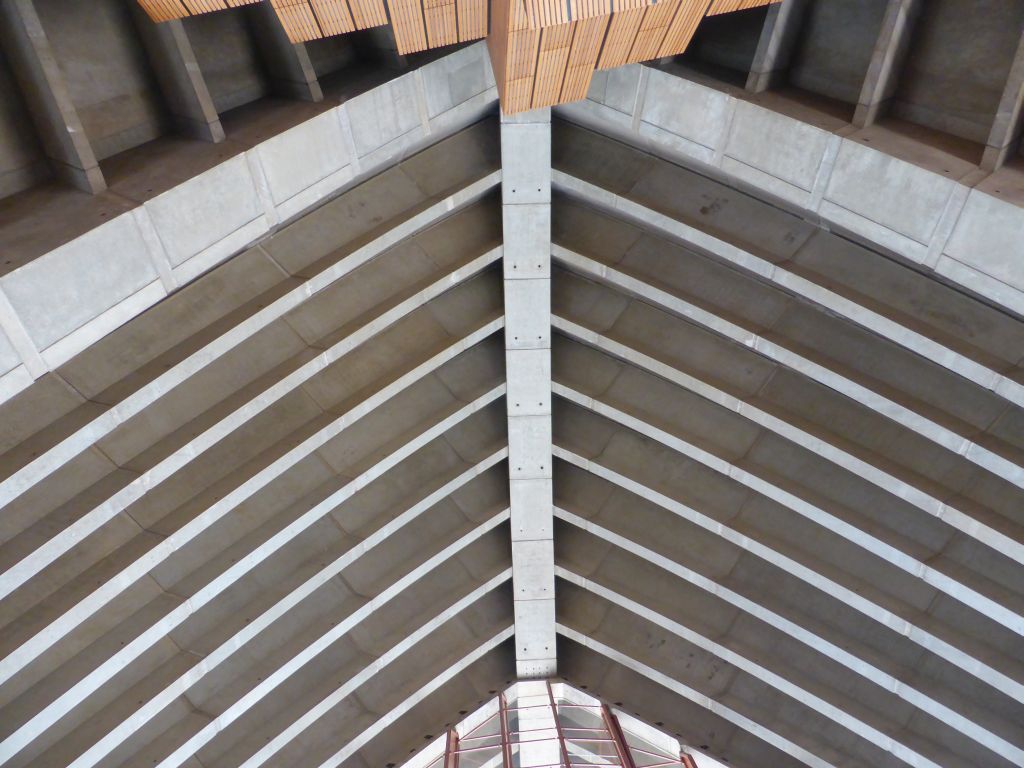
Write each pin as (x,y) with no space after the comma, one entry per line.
(472,16)
(683,27)
(622,31)
(552,60)
(728,6)
(586,45)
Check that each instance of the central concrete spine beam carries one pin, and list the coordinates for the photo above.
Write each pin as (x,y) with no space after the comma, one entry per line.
(526,222)
(46,92)
(890,51)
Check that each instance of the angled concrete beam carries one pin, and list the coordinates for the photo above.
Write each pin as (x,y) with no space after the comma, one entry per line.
(888,56)
(856,726)
(526,223)
(46,93)
(50,715)
(288,64)
(922,425)
(792,283)
(53,459)
(840,655)
(182,83)
(723,711)
(1004,138)
(775,47)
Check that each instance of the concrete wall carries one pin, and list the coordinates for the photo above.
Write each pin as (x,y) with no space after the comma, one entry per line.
(22,163)
(227,56)
(106,70)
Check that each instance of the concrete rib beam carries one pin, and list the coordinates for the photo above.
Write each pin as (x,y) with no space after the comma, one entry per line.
(45,638)
(922,425)
(726,713)
(927,503)
(854,725)
(801,635)
(60,543)
(50,715)
(54,458)
(788,281)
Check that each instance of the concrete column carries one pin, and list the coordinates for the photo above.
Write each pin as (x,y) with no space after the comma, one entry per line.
(1004,137)
(46,93)
(288,64)
(775,48)
(890,51)
(526,222)
(184,89)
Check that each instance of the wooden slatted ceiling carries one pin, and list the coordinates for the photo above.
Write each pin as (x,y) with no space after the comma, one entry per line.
(683,27)
(472,16)
(586,45)
(408,24)
(442,27)
(622,32)
(552,59)
(728,6)
(167,10)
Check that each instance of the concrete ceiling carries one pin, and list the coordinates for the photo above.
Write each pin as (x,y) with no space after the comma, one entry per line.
(547,397)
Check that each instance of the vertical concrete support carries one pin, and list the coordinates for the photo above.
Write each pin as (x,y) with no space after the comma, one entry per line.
(775,48)
(526,221)
(1004,137)
(184,89)
(890,51)
(46,93)
(288,64)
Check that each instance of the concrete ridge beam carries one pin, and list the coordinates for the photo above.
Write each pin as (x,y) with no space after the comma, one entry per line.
(18,574)
(309,652)
(436,684)
(877,613)
(721,710)
(794,284)
(840,655)
(860,538)
(840,717)
(47,463)
(833,379)
(52,713)
(308,718)
(87,606)
(956,518)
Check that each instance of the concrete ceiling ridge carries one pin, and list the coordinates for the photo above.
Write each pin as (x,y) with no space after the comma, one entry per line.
(785,356)
(276,612)
(840,651)
(790,282)
(876,733)
(922,500)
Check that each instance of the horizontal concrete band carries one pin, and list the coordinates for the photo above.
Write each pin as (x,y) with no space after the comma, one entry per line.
(834,379)
(944,225)
(799,634)
(50,461)
(59,544)
(852,724)
(927,503)
(169,240)
(794,284)
(51,714)
(44,639)
(721,710)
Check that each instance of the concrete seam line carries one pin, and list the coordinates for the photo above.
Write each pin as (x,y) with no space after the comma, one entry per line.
(850,533)
(979,735)
(922,500)
(309,652)
(64,540)
(339,757)
(17,335)
(350,686)
(912,420)
(55,457)
(52,714)
(742,722)
(797,632)
(856,313)
(99,597)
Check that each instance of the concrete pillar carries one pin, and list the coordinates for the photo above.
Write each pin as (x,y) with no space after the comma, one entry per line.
(46,93)
(1004,138)
(526,222)
(775,48)
(184,89)
(890,51)
(288,64)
